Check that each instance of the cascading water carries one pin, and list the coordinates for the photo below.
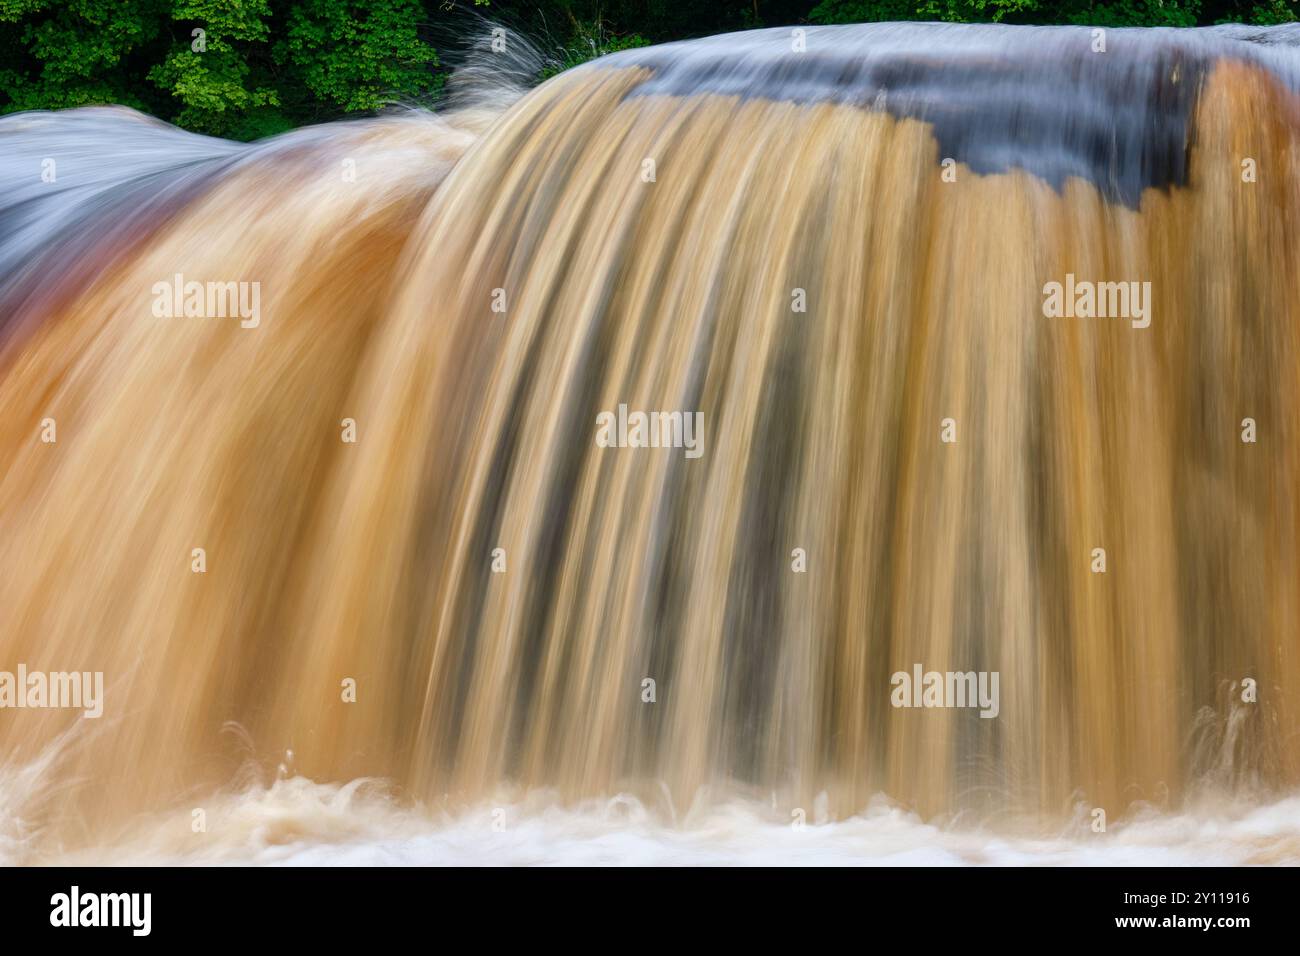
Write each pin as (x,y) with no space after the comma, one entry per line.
(359,521)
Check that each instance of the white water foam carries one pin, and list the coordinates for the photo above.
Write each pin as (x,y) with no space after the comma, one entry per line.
(296,822)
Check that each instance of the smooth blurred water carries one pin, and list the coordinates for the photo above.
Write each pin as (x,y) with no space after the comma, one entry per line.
(381,249)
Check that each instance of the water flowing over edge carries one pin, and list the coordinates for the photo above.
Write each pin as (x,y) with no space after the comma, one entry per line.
(165,170)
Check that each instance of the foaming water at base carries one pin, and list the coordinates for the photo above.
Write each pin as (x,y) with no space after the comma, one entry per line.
(297,822)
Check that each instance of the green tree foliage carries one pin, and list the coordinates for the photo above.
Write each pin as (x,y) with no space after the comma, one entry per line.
(62,53)
(247,68)
(218,89)
(240,68)
(588,41)
(355,55)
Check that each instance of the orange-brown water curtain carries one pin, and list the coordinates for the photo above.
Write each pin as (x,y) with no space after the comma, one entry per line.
(902,410)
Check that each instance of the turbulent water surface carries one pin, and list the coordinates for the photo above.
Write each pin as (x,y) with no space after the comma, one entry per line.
(351,517)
